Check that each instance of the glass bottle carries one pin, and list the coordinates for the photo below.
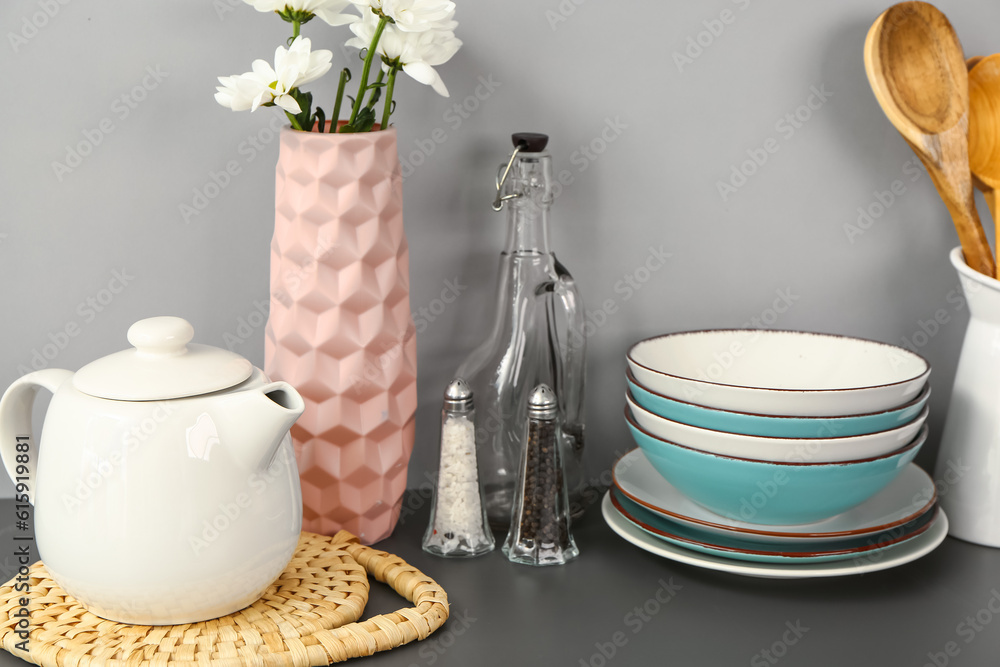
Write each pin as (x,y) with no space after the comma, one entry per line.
(537,337)
(540,522)
(458,525)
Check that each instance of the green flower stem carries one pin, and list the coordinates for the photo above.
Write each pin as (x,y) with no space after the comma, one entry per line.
(345,76)
(363,87)
(296,26)
(387,110)
(295,122)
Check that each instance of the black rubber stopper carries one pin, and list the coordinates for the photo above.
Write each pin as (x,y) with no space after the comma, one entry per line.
(532,142)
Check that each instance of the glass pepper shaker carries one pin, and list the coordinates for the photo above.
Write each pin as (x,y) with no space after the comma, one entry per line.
(540,522)
(458,526)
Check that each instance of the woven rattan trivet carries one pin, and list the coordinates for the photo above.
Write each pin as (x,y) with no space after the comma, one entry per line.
(305,619)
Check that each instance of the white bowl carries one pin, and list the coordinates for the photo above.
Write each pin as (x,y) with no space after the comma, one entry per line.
(790,450)
(779,372)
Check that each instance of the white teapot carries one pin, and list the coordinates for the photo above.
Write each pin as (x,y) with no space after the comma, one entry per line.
(165,488)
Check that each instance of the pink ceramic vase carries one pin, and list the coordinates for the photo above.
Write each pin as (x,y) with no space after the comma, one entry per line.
(340,329)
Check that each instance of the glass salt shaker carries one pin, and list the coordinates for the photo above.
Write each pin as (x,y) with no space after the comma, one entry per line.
(458,526)
(540,522)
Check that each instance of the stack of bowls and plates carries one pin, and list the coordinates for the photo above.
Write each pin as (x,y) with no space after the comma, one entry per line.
(776,453)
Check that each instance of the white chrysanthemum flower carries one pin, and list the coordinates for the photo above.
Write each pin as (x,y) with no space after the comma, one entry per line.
(331,11)
(417,52)
(265,85)
(415,15)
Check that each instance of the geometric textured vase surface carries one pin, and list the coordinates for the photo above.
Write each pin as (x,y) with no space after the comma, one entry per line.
(340,329)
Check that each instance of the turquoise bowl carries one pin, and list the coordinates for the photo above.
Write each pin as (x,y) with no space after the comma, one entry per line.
(771,426)
(771,492)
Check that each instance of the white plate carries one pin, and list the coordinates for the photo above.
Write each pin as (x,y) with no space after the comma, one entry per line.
(881,560)
(904,499)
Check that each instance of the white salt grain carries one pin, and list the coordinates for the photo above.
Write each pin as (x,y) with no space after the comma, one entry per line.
(458,516)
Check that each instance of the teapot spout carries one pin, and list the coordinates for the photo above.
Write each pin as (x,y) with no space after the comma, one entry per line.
(265,414)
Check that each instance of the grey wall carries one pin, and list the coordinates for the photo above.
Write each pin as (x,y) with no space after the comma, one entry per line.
(571,68)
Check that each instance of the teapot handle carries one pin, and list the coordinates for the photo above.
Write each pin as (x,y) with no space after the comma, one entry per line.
(18,444)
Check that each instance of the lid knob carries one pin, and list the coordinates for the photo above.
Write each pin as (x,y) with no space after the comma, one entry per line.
(161,336)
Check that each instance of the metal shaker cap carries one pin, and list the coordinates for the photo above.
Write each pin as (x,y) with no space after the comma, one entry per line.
(542,403)
(458,396)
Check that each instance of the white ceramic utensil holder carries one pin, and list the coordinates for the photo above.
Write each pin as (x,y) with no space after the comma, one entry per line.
(968,465)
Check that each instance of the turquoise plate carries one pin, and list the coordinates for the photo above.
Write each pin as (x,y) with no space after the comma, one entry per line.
(759,552)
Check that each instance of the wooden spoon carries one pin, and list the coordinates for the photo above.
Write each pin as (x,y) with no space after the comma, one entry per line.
(984,130)
(971,62)
(916,69)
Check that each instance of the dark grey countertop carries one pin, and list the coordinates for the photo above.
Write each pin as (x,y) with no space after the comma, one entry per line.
(606,608)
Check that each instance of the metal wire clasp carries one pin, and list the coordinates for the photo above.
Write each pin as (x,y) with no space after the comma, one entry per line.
(500,199)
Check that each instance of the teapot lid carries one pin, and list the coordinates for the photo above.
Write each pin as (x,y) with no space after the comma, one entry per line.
(162,365)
